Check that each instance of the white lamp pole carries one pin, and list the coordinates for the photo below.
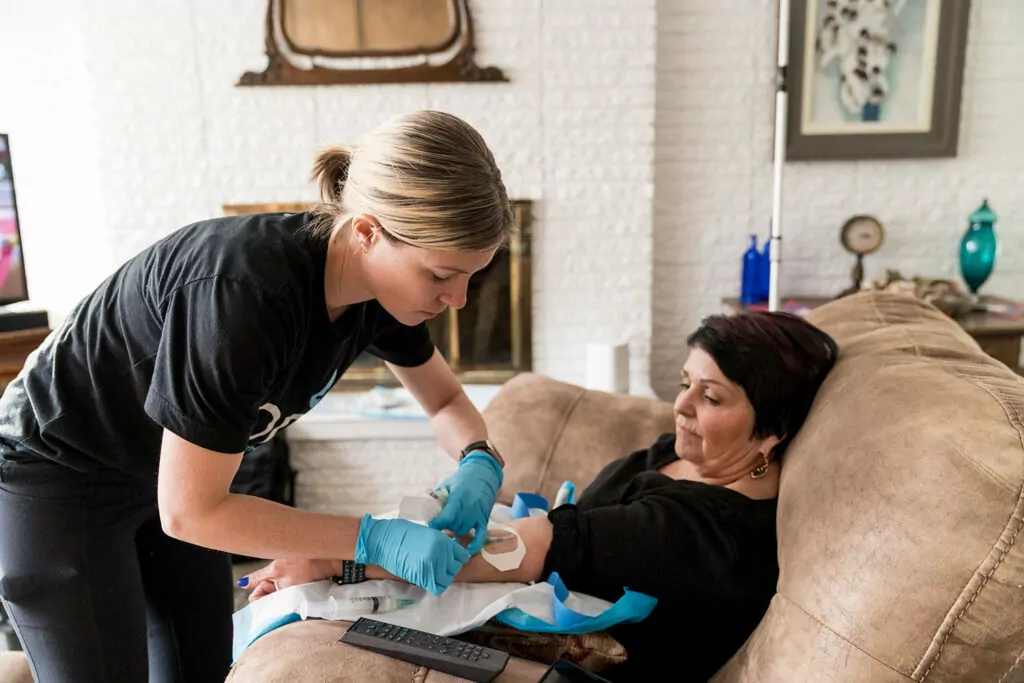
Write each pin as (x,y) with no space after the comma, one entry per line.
(781,109)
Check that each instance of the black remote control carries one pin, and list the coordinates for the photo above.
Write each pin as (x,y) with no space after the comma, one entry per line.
(450,656)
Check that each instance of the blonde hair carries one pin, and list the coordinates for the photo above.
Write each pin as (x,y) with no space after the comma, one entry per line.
(427,177)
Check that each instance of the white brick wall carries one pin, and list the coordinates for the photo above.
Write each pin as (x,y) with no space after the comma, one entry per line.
(162,137)
(352,477)
(713,171)
(126,124)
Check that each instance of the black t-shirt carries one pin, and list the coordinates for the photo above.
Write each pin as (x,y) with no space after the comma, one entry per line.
(707,553)
(218,333)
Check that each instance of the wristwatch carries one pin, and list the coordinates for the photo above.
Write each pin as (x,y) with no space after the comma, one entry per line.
(485,446)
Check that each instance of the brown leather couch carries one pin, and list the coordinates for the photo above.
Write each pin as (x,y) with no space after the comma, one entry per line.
(900,513)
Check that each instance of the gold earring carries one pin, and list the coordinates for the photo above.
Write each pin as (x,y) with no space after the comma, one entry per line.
(760,470)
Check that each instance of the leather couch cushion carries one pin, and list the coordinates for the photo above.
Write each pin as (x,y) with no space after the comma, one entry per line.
(900,511)
(549,431)
(309,651)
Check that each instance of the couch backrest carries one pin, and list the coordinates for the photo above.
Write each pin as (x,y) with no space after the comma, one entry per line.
(550,431)
(900,511)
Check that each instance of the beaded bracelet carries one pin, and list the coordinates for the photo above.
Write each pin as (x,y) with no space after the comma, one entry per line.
(351,572)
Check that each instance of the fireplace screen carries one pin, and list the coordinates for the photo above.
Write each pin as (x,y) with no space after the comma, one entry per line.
(489,340)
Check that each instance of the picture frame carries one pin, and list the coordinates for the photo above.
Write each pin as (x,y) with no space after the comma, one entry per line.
(875,79)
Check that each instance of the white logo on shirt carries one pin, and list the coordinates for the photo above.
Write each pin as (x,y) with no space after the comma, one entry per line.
(277,422)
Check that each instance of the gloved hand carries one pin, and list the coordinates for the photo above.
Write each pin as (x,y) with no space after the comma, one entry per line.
(425,557)
(471,489)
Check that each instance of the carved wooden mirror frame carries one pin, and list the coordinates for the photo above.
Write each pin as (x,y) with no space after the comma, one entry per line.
(449,61)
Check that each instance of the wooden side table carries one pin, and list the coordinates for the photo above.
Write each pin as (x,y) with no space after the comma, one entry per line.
(14,349)
(998,336)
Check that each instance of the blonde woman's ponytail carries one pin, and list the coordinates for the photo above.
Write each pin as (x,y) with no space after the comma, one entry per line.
(330,171)
(426,176)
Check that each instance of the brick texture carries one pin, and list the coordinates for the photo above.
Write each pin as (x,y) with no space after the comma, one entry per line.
(713,171)
(167,138)
(355,477)
(641,129)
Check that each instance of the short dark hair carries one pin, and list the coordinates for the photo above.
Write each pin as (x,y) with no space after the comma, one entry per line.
(779,359)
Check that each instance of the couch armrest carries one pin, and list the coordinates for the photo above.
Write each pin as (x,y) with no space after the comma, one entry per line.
(309,651)
(549,431)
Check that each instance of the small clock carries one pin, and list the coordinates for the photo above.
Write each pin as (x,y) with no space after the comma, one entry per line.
(860,235)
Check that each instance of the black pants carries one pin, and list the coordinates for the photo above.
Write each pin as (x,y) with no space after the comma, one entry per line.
(92,584)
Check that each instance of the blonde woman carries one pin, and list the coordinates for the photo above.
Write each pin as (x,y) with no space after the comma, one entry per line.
(119,440)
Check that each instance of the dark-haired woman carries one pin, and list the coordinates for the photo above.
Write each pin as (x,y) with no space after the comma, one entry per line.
(691,520)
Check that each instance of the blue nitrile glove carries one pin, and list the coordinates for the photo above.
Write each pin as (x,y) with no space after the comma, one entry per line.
(423,556)
(471,492)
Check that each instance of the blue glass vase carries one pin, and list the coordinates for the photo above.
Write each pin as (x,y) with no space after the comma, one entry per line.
(978,248)
(751,281)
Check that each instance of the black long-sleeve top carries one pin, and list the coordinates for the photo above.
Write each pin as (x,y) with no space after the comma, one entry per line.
(707,553)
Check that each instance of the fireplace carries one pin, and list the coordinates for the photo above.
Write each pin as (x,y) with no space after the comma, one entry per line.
(489,340)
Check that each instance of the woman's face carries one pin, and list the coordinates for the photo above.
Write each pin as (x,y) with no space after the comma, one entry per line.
(414,284)
(715,420)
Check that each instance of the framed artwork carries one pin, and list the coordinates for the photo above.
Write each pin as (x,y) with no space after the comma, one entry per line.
(875,78)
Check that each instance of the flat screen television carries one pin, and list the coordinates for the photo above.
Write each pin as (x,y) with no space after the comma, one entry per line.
(13,287)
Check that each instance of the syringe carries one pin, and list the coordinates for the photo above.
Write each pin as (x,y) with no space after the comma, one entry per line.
(375,604)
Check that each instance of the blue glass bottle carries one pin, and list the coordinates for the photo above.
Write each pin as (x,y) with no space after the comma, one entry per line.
(751,285)
(978,248)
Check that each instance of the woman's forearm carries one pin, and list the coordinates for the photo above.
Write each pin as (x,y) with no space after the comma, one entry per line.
(456,421)
(246,525)
(458,424)
(196,506)
(534,532)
